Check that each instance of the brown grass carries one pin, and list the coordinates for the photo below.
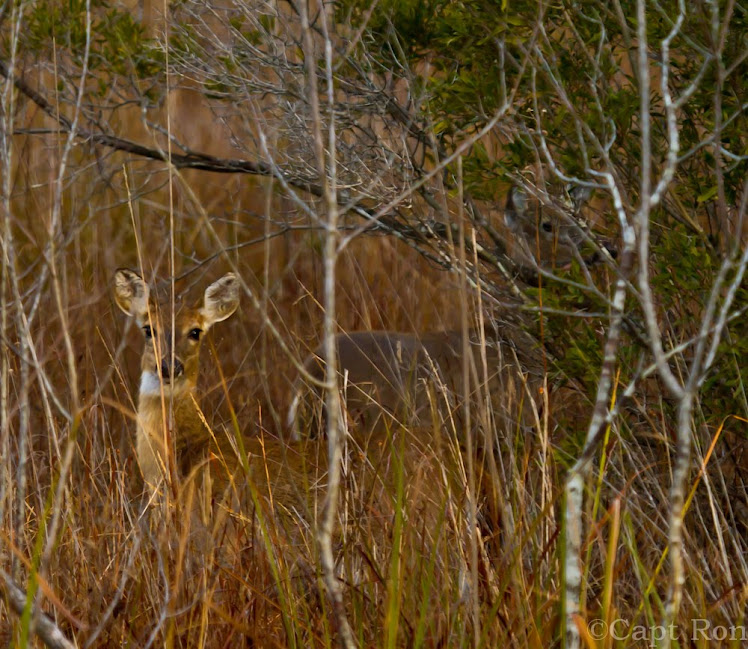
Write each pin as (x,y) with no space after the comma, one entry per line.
(115,574)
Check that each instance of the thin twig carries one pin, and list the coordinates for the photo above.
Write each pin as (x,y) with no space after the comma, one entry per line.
(42,624)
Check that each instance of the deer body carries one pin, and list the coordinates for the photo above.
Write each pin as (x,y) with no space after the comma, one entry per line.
(409,379)
(168,404)
(398,375)
(190,434)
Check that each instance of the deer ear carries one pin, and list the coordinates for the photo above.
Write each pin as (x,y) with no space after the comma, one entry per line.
(131,293)
(221,300)
(516,207)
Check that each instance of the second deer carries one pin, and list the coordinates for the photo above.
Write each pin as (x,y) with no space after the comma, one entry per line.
(399,378)
(393,377)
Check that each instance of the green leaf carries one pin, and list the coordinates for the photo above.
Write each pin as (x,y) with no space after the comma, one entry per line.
(707,195)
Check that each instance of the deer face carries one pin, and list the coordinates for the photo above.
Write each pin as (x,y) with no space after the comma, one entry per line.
(171,355)
(547,225)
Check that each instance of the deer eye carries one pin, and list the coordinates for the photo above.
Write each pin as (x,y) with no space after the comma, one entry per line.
(194,334)
(149,332)
(547,226)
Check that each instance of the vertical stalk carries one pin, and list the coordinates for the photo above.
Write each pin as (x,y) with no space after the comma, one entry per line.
(467,358)
(575,481)
(12,302)
(326,169)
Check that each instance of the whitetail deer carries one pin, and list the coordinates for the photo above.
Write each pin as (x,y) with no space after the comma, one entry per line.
(542,229)
(169,370)
(405,377)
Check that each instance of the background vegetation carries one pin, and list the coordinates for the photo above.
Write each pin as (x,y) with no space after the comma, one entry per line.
(185,139)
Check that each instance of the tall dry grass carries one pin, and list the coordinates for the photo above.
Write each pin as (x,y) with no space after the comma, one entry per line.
(75,528)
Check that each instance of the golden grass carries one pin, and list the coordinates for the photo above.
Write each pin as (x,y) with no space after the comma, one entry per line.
(114,574)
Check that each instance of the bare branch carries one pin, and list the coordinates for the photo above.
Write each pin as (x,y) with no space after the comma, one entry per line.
(43,625)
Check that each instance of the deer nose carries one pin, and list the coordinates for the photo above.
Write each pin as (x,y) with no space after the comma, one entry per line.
(166,369)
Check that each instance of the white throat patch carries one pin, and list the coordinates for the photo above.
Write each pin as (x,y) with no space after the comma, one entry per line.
(150,385)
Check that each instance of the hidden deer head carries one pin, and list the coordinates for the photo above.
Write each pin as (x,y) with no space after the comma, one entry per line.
(547,224)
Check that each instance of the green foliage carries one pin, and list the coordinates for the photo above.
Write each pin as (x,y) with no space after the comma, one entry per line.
(466,42)
(683,270)
(119,45)
(408,26)
(575,341)
(120,53)
(725,389)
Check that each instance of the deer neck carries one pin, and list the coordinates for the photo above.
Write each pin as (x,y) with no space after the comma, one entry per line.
(176,413)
